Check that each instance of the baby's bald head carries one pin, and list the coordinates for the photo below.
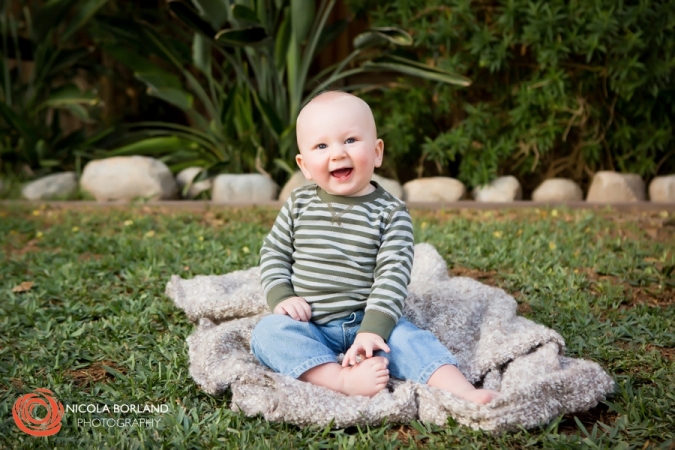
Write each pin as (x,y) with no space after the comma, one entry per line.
(342,102)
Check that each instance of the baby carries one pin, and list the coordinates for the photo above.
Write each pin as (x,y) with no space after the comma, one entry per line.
(336,265)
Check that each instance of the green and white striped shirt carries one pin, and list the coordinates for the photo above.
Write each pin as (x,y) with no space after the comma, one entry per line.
(341,254)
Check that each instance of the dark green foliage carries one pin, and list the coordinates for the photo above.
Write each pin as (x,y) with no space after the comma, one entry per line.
(247,78)
(97,307)
(40,59)
(560,89)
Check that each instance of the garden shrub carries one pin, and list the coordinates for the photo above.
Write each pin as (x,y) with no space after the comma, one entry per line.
(249,73)
(41,57)
(559,89)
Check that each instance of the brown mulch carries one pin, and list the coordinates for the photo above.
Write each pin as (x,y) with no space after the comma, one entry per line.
(666,352)
(484,277)
(654,224)
(94,373)
(17,383)
(660,296)
(600,413)
(18,248)
(86,256)
(404,433)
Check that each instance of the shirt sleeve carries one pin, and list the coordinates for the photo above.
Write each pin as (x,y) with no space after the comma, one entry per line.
(276,258)
(392,275)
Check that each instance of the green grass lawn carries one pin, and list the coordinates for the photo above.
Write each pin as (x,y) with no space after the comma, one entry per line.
(95,327)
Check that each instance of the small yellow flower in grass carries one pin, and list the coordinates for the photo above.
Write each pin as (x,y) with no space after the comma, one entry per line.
(36,212)
(552,245)
(76,229)
(128,222)
(520,231)
(423,225)
(554,213)
(201,238)
(576,270)
(497,234)
(38,234)
(245,249)
(663,214)
(150,233)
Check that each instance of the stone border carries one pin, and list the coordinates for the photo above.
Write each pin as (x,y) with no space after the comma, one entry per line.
(468,204)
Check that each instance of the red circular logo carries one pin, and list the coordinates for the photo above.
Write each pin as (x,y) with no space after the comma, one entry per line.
(24,413)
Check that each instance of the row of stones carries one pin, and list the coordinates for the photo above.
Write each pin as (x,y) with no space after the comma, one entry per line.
(132,177)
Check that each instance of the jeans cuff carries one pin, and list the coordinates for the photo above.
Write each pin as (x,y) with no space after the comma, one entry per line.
(429,369)
(310,364)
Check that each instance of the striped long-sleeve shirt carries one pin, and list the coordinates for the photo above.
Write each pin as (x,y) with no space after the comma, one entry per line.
(341,254)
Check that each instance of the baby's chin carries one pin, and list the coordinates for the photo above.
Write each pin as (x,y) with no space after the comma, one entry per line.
(345,191)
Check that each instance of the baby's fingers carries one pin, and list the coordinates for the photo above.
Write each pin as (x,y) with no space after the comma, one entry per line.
(292,311)
(306,312)
(350,357)
(385,347)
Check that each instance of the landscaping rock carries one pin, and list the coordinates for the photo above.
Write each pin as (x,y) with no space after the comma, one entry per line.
(558,190)
(186,176)
(662,189)
(608,186)
(297,180)
(51,186)
(243,188)
(389,185)
(434,189)
(502,190)
(128,178)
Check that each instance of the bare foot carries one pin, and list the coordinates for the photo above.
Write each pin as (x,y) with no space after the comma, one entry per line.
(365,378)
(449,378)
(480,396)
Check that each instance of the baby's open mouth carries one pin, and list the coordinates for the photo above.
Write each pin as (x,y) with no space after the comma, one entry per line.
(342,173)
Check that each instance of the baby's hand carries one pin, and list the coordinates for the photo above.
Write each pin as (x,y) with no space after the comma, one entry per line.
(296,307)
(365,343)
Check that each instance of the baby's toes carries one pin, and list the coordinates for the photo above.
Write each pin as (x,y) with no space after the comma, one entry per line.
(380,361)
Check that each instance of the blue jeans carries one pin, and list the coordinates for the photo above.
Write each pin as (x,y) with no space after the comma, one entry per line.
(292,347)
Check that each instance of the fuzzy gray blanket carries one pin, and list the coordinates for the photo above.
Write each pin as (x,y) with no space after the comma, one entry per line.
(478,323)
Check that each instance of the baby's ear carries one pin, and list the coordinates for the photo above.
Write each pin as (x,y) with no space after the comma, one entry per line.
(379,152)
(301,164)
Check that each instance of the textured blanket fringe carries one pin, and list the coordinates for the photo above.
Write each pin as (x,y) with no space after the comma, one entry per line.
(478,323)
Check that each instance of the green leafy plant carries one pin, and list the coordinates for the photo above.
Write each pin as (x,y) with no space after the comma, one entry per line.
(249,74)
(40,58)
(560,89)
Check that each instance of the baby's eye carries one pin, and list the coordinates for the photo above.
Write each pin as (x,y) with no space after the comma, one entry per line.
(322,146)
(350,141)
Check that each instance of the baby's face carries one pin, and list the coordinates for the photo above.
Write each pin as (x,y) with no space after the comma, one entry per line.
(338,143)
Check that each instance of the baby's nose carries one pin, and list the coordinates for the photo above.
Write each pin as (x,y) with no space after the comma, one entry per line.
(338,152)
